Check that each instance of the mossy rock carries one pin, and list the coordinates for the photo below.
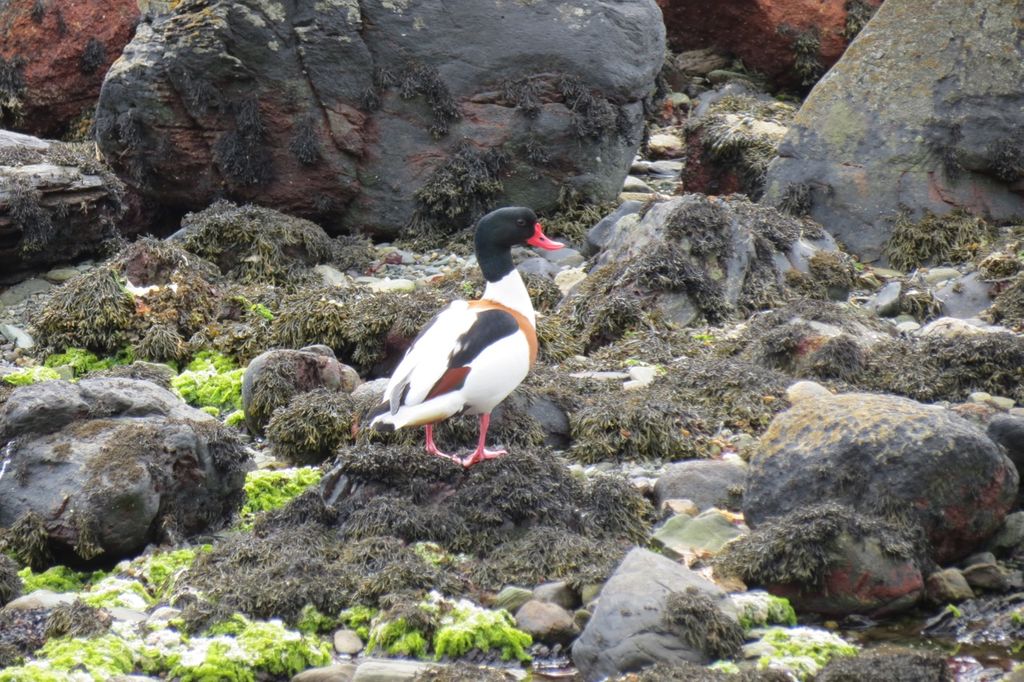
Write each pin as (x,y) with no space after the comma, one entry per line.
(10,581)
(276,377)
(907,665)
(492,511)
(692,672)
(311,426)
(255,244)
(92,311)
(277,572)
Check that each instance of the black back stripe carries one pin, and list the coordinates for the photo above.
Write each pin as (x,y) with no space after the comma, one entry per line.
(490,326)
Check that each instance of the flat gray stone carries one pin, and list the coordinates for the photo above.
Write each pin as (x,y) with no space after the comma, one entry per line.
(388,670)
(342,672)
(23,290)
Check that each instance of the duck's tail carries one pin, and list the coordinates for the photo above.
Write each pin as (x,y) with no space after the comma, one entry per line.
(434,410)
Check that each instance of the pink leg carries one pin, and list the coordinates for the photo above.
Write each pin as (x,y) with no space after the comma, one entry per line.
(481,453)
(432,447)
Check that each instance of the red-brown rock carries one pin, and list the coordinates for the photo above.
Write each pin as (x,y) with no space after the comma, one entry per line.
(765,33)
(53,56)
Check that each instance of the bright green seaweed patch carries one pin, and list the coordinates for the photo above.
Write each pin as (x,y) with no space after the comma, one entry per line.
(799,650)
(358,618)
(103,657)
(211,380)
(267,489)
(82,361)
(113,592)
(272,647)
(311,621)
(467,627)
(56,579)
(159,571)
(31,375)
(757,608)
(449,628)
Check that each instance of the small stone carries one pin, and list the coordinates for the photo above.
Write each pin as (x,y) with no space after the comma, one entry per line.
(546,622)
(948,586)
(18,336)
(347,642)
(342,672)
(886,302)
(23,290)
(388,284)
(512,597)
(633,196)
(163,614)
(590,592)
(388,670)
(667,169)
(806,390)
(635,184)
(643,374)
(987,577)
(567,279)
(538,266)
(662,145)
(60,275)
(979,558)
(332,277)
(566,258)
(683,535)
(680,507)
(127,615)
(908,327)
(1010,534)
(40,599)
(984,398)
(557,592)
(600,376)
(936,275)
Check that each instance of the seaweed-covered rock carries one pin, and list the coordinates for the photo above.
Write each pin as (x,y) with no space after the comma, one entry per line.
(57,202)
(731,144)
(908,665)
(276,573)
(10,582)
(827,558)
(254,244)
(273,378)
(691,672)
(358,114)
(887,132)
(653,610)
(106,466)
(399,490)
(887,456)
(309,428)
(52,61)
(688,258)
(791,42)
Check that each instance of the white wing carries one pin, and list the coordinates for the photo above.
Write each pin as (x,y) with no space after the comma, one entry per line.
(427,359)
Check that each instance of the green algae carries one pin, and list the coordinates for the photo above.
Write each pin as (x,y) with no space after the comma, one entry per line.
(211,380)
(802,651)
(272,647)
(113,591)
(467,627)
(103,657)
(31,375)
(267,489)
(311,621)
(758,609)
(448,628)
(81,361)
(56,579)
(359,619)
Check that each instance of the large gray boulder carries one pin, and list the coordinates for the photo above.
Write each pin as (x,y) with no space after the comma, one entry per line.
(654,610)
(923,112)
(107,466)
(921,466)
(373,113)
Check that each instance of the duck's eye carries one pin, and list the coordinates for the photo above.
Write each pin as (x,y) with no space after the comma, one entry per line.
(520,222)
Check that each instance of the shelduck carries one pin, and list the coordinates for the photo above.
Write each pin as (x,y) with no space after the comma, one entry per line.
(472,354)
